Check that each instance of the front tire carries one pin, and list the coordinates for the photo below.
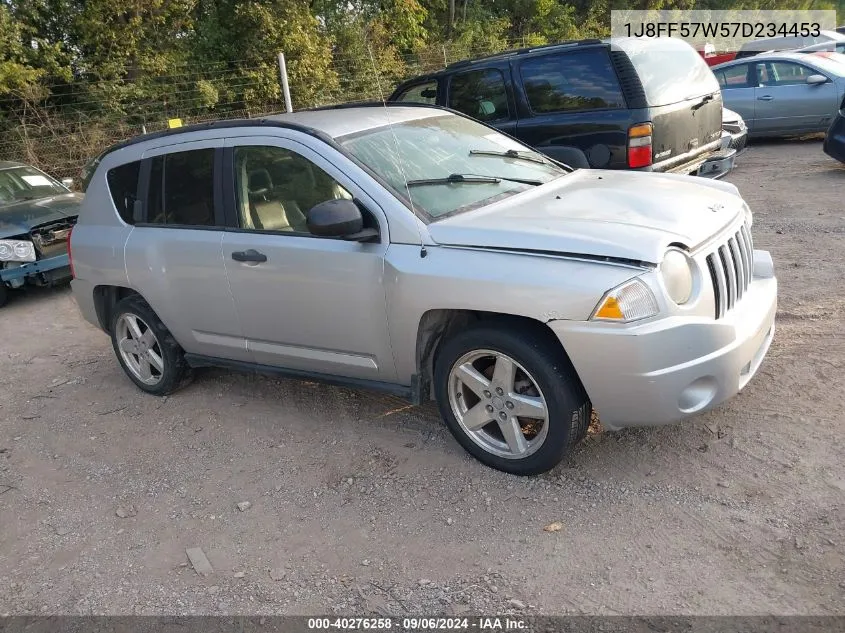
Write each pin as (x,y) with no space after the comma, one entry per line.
(511,398)
(146,350)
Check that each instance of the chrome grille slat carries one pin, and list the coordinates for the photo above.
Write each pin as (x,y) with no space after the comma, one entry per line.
(730,275)
(739,267)
(720,285)
(731,267)
(749,250)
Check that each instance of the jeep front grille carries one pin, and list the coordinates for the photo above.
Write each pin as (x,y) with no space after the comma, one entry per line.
(731,269)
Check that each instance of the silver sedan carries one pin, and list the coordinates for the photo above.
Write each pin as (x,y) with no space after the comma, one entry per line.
(781,94)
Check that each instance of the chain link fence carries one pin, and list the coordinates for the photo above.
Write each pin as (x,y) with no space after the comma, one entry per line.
(60,135)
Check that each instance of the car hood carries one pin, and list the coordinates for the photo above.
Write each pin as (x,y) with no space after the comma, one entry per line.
(21,217)
(620,215)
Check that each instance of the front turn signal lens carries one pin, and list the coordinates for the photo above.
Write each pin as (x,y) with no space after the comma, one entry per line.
(610,310)
(628,302)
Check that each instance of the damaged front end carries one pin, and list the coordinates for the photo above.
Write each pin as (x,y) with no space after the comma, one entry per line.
(39,257)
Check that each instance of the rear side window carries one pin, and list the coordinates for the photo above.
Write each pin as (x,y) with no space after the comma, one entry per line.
(733,77)
(123,185)
(480,94)
(182,189)
(576,81)
(420,93)
(670,69)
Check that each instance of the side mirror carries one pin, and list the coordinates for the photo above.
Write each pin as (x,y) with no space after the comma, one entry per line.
(815,80)
(339,218)
(429,93)
(67,182)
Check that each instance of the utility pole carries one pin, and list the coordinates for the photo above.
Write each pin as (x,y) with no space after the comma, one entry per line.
(283,72)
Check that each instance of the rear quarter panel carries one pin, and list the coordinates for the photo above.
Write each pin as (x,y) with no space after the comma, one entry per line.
(99,238)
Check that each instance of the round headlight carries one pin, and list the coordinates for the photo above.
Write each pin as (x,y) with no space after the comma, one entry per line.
(677,275)
(22,250)
(5,251)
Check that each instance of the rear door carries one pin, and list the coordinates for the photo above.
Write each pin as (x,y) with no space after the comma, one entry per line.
(682,97)
(173,254)
(485,94)
(563,96)
(738,90)
(786,103)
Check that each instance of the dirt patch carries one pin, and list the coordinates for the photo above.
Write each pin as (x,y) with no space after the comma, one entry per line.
(359,503)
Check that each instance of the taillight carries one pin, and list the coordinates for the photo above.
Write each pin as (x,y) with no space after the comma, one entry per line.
(69,254)
(639,145)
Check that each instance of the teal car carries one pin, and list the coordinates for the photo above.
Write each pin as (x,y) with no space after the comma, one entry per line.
(37,213)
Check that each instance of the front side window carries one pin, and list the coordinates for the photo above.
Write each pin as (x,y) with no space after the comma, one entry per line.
(449,163)
(571,82)
(182,189)
(275,188)
(420,93)
(19,184)
(480,94)
(784,74)
(123,185)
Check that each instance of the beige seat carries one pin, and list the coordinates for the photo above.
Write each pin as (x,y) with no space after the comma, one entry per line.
(268,212)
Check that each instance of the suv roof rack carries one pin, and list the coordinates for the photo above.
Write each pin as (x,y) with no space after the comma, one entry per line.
(524,51)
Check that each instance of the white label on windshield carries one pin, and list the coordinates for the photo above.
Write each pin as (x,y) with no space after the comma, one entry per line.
(36,181)
(504,141)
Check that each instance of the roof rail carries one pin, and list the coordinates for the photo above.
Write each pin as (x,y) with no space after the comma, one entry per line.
(524,51)
(210,125)
(373,104)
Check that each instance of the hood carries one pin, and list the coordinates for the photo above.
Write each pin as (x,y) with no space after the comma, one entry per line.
(21,217)
(614,214)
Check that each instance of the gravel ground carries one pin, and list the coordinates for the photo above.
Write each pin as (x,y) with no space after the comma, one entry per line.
(360,503)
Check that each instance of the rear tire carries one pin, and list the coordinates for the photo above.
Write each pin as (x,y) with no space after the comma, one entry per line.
(146,350)
(511,398)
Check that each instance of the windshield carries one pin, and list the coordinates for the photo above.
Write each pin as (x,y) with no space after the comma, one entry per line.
(26,183)
(832,65)
(440,147)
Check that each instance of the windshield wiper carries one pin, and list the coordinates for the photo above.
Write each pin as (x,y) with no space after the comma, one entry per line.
(470,179)
(511,153)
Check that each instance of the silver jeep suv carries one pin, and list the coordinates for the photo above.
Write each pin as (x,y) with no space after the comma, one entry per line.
(416,251)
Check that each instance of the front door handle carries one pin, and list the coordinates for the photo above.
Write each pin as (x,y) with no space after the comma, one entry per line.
(249,256)
(765,98)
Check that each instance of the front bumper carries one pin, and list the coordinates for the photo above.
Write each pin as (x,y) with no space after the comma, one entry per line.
(663,371)
(43,271)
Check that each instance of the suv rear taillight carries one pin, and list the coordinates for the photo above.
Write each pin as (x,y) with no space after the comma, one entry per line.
(69,254)
(639,145)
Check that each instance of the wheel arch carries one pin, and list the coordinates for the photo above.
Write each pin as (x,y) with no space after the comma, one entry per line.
(106,297)
(436,325)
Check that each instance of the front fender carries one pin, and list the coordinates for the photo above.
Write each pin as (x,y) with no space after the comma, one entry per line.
(540,287)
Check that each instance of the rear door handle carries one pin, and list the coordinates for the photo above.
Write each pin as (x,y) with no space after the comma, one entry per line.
(765,98)
(249,256)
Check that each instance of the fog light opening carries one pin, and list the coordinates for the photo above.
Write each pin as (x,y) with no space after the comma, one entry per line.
(698,394)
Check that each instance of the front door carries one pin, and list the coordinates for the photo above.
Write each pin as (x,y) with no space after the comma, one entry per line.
(786,103)
(304,302)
